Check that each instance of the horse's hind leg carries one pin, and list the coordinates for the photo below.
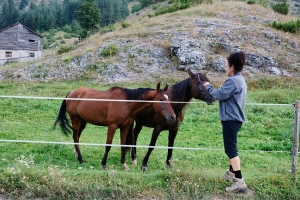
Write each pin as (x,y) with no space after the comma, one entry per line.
(172,136)
(137,129)
(78,126)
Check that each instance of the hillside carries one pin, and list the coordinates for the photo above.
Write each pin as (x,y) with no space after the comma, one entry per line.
(164,47)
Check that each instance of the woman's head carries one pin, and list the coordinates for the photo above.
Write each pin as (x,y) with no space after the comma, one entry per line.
(237,60)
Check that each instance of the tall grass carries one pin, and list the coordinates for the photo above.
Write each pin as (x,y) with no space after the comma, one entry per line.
(50,171)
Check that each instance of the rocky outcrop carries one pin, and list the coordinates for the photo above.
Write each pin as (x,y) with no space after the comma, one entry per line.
(205,44)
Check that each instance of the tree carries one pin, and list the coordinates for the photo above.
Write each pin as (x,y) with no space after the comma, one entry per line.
(4,16)
(89,16)
(69,10)
(23,4)
(13,12)
(145,3)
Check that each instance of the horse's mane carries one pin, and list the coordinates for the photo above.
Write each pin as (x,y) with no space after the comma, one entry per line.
(179,91)
(203,77)
(133,94)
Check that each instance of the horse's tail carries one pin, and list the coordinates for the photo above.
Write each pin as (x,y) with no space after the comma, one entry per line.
(62,119)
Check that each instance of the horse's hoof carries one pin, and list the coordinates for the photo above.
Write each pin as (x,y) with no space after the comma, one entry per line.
(144,168)
(104,167)
(134,162)
(125,167)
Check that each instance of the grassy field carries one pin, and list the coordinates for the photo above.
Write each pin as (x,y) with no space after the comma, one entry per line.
(50,171)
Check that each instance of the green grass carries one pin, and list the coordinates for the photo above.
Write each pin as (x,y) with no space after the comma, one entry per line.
(50,171)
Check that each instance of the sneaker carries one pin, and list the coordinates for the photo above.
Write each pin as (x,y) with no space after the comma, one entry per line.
(228,176)
(238,185)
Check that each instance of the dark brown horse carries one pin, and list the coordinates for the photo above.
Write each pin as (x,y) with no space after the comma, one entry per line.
(183,91)
(114,111)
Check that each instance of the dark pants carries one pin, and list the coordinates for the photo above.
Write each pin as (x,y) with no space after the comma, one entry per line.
(230,132)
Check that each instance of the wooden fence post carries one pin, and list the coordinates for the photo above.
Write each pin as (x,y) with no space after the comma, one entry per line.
(296,138)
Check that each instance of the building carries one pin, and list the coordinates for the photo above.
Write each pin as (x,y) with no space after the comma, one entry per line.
(19,43)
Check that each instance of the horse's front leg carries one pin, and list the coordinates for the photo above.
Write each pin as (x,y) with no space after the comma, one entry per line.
(110,135)
(124,149)
(155,134)
(172,136)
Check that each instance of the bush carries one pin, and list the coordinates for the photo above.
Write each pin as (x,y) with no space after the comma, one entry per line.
(65,48)
(172,8)
(67,36)
(125,24)
(136,7)
(291,26)
(107,29)
(110,50)
(53,31)
(75,35)
(75,26)
(67,29)
(251,2)
(282,7)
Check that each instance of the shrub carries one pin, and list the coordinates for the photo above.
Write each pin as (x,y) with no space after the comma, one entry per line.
(291,26)
(67,29)
(75,35)
(136,7)
(251,2)
(110,50)
(75,26)
(62,42)
(65,48)
(125,24)
(107,29)
(53,31)
(282,7)
(67,36)
(183,4)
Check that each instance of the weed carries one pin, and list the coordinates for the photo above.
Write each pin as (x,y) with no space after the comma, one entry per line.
(65,49)
(110,50)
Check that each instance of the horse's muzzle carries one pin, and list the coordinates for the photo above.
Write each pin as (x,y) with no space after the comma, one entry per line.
(171,119)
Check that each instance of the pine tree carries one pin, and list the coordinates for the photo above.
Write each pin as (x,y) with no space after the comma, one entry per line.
(13,16)
(4,16)
(23,4)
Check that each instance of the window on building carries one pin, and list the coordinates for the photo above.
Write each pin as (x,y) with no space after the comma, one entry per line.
(31,55)
(32,41)
(8,54)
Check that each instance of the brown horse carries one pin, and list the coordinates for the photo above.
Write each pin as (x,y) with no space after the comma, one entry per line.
(183,91)
(114,111)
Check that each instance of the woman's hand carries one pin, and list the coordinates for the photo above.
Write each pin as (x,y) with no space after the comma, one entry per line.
(205,84)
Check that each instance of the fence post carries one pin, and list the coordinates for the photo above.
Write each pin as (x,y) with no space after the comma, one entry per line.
(296,138)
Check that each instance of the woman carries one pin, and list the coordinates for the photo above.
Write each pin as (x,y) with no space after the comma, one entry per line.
(232,96)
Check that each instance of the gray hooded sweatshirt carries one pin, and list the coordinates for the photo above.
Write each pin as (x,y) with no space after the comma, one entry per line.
(232,97)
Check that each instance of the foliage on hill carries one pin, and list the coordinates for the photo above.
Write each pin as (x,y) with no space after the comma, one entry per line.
(44,17)
(290,26)
(282,7)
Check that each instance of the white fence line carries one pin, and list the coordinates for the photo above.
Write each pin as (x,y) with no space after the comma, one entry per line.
(137,146)
(120,100)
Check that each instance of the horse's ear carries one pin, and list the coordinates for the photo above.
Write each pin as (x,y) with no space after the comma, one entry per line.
(190,73)
(166,87)
(158,87)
